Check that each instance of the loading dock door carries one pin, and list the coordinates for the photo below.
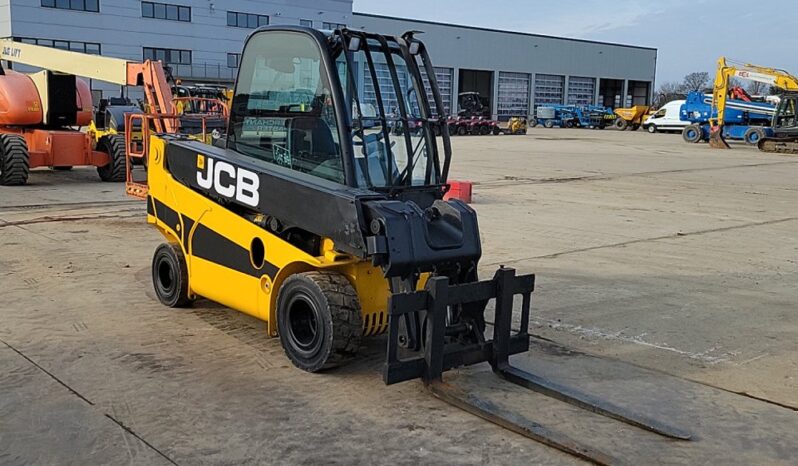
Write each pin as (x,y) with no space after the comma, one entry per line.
(478,81)
(444,78)
(638,93)
(513,95)
(581,91)
(549,89)
(610,91)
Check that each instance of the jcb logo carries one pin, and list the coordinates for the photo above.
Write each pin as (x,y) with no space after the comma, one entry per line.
(228,181)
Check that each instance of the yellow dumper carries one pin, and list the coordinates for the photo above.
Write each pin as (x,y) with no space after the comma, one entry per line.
(631,117)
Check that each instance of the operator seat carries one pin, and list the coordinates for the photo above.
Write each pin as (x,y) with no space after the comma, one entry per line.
(310,137)
(311,144)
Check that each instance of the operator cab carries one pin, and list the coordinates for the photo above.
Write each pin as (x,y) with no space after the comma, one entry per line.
(345,106)
(785,121)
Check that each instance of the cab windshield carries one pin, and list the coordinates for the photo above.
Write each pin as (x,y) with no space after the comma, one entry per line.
(391,105)
(286,111)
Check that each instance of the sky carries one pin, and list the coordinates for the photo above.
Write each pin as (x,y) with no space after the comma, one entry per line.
(689,34)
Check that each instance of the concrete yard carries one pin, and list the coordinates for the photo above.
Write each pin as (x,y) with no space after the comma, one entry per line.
(666,280)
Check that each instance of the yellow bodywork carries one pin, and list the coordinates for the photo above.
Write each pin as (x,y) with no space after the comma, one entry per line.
(634,115)
(256,296)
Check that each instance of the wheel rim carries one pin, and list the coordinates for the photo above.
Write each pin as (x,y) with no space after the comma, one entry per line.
(165,274)
(753,138)
(691,134)
(303,325)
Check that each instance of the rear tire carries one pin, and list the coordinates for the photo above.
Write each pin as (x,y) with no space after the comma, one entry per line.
(549,124)
(462,130)
(318,319)
(692,134)
(621,124)
(170,275)
(753,136)
(14,160)
(114,146)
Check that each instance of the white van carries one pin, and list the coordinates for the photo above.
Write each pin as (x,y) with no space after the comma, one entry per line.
(666,118)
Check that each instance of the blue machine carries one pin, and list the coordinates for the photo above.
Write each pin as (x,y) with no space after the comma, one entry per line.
(574,116)
(745,121)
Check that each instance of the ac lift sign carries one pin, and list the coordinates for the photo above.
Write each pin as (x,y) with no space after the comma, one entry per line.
(12,52)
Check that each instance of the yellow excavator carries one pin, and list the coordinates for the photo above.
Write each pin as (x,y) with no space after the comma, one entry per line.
(314,214)
(783,135)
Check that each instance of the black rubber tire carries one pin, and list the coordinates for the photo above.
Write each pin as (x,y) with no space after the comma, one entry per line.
(753,135)
(569,124)
(64,168)
(484,130)
(652,129)
(635,127)
(170,275)
(621,124)
(319,320)
(549,124)
(14,160)
(114,146)
(496,130)
(462,130)
(533,123)
(692,134)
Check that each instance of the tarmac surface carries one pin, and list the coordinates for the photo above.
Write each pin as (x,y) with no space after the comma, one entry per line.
(665,283)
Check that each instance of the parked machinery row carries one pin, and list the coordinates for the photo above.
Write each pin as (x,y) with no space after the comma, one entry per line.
(574,116)
(474,118)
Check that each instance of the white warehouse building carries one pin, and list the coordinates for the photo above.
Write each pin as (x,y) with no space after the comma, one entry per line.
(201,41)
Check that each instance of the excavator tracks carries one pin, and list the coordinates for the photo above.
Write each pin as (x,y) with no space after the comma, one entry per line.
(787,146)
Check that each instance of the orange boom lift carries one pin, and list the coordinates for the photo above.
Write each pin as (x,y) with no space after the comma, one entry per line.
(40,111)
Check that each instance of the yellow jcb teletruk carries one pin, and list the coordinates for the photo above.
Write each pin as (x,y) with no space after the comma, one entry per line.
(321,212)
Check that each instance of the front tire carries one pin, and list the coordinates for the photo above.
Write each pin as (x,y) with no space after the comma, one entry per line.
(14,160)
(652,129)
(692,134)
(318,319)
(753,136)
(170,275)
(114,146)
(549,124)
(621,124)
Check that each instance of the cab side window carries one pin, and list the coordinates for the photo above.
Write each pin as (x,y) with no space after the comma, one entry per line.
(283,112)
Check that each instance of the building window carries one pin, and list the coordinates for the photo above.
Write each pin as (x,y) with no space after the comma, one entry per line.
(246,20)
(75,46)
(78,5)
(168,56)
(166,11)
(233,59)
(306,23)
(332,26)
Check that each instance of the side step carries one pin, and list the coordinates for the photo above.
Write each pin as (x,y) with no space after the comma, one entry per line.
(437,355)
